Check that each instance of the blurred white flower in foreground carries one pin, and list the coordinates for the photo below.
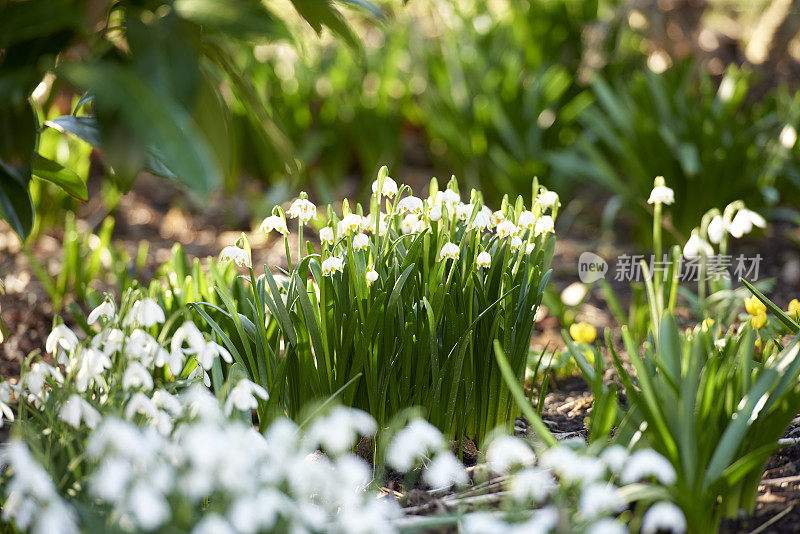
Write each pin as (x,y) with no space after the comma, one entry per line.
(444,471)
(76,409)
(413,442)
(663,517)
(506,452)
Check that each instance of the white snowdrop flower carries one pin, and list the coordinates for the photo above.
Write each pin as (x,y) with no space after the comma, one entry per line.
(615,458)
(716,229)
(607,525)
(371,275)
(353,222)
(484,523)
(55,518)
(449,198)
(410,205)
(141,404)
(235,254)
(449,251)
(527,220)
(360,242)
(413,442)
(506,452)
(498,217)
(788,137)
(599,499)
(110,480)
(243,396)
(697,247)
(721,343)
(464,211)
(663,517)
(506,228)
(91,365)
(109,340)
(273,223)
(211,350)
(36,378)
(409,224)
(60,341)
(482,221)
(332,265)
(661,194)
(435,212)
(646,463)
(6,413)
(548,199)
(743,222)
(143,347)
(199,402)
(250,514)
(76,409)
(186,334)
(484,260)
(137,376)
(529,248)
(444,471)
(515,243)
(145,312)
(338,430)
(532,484)
(148,506)
(106,310)
(544,225)
(168,402)
(389,188)
(571,466)
(303,209)
(542,521)
(326,235)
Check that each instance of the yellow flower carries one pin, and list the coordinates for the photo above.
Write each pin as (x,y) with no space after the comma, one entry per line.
(754,306)
(583,332)
(707,324)
(794,307)
(758,320)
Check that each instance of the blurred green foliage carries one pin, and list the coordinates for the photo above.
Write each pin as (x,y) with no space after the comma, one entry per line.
(152,76)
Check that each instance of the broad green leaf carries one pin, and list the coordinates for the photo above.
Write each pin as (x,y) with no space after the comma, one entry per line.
(64,178)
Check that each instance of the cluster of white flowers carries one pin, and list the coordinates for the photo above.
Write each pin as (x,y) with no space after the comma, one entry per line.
(589,480)
(421,441)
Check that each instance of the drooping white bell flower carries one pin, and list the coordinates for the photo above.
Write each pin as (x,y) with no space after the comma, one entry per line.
(352,222)
(360,242)
(273,223)
(527,220)
(484,259)
(464,211)
(449,251)
(743,222)
(697,247)
(326,235)
(389,188)
(205,356)
(548,199)
(435,212)
(61,341)
(371,275)
(106,310)
(413,442)
(145,313)
(303,209)
(661,194)
(244,395)
(237,255)
(410,204)
(505,452)
(544,225)
(77,409)
(663,517)
(515,243)
(482,221)
(137,376)
(91,365)
(716,229)
(506,228)
(332,265)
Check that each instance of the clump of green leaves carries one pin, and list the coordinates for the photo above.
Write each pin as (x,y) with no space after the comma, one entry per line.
(398,308)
